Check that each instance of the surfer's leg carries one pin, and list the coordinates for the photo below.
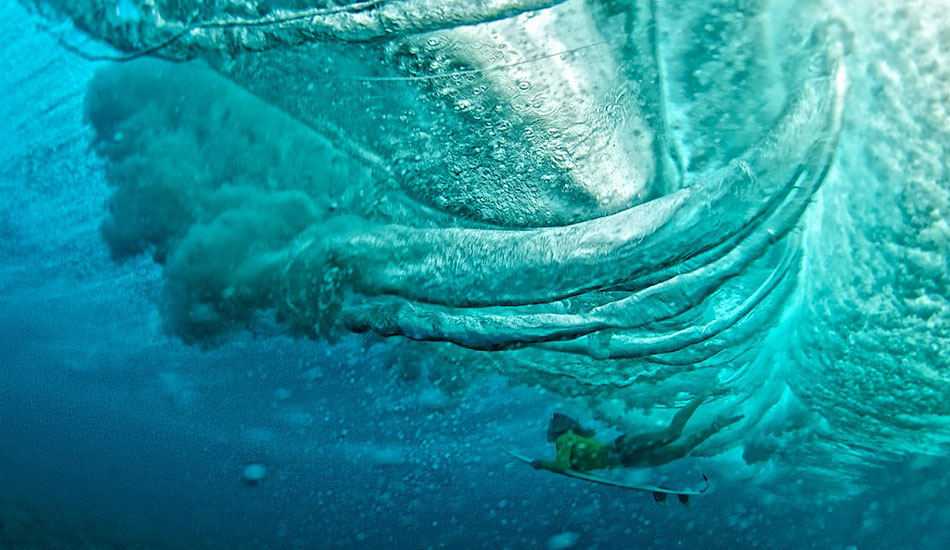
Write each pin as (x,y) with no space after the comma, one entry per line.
(681,417)
(669,453)
(637,450)
(633,449)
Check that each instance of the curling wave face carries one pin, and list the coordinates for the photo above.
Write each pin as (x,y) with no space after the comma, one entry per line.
(630,203)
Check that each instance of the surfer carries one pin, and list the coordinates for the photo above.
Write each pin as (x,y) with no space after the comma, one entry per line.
(577,449)
(579,452)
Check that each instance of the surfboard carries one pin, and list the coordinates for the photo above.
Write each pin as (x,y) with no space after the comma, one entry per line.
(659,493)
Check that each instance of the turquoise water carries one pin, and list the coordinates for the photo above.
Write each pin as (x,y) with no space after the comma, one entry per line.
(293,284)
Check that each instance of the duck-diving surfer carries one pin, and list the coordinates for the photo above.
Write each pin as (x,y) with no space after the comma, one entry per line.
(579,450)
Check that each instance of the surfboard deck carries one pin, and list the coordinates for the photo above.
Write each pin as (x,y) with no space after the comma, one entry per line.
(604,480)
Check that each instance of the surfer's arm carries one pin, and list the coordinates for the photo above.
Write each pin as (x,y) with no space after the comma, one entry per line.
(551,465)
(562,461)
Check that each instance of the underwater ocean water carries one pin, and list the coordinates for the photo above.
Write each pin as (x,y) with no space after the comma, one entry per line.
(300,273)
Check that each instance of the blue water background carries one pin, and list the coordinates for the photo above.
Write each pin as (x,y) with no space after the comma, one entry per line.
(114,433)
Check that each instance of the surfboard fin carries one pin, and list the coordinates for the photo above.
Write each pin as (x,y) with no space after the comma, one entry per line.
(684,499)
(659,497)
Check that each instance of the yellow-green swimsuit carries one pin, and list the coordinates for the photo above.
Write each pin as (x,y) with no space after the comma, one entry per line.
(581,453)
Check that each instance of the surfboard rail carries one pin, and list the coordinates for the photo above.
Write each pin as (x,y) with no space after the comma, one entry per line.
(659,492)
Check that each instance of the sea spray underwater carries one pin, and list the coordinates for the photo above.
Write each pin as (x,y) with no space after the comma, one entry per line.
(629,204)
(513,198)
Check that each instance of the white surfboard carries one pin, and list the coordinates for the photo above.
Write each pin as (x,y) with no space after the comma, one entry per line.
(659,493)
